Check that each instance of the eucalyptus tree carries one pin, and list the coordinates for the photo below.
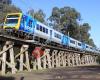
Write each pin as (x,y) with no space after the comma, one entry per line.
(38,15)
(65,19)
(85,35)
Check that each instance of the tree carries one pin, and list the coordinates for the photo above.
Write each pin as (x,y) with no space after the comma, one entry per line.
(91,42)
(65,19)
(7,7)
(38,15)
(84,31)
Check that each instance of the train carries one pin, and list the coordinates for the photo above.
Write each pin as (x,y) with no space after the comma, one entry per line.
(29,28)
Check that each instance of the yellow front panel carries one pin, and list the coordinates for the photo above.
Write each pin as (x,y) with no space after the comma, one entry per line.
(18,24)
(19,20)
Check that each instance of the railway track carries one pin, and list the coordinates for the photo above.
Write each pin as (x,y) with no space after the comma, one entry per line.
(36,43)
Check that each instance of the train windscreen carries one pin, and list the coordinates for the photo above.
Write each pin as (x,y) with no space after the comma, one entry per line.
(13,16)
(12,19)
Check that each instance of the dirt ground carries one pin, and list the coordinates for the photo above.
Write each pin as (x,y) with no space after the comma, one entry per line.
(66,73)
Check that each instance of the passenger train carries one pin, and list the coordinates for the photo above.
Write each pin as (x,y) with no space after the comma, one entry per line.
(26,26)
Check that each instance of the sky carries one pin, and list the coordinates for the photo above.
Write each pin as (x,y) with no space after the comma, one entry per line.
(89,10)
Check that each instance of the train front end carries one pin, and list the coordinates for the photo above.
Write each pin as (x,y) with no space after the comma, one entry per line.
(12,22)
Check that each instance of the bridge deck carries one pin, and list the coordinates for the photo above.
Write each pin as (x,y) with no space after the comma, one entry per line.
(32,42)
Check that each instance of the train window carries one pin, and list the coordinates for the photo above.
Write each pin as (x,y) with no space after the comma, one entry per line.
(90,47)
(37,27)
(79,44)
(47,31)
(57,36)
(40,28)
(86,46)
(71,41)
(1,7)
(44,29)
(11,21)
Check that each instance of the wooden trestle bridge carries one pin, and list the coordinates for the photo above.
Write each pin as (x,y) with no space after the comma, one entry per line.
(14,59)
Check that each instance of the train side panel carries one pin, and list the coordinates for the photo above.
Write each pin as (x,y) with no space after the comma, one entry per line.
(79,45)
(27,24)
(57,37)
(72,42)
(42,31)
(65,40)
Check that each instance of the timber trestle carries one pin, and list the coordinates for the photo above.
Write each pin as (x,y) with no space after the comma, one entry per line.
(15,58)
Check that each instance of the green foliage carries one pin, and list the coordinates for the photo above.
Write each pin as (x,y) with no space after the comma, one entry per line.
(39,15)
(84,31)
(65,18)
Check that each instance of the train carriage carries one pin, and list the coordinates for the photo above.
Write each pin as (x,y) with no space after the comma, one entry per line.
(41,31)
(29,28)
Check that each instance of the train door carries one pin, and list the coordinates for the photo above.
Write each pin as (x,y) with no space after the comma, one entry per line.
(30,26)
(34,25)
(83,45)
(65,40)
(23,23)
(50,34)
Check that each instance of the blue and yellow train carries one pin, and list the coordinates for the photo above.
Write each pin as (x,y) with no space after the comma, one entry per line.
(26,26)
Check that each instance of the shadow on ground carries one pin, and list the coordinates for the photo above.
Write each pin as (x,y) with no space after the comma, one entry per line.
(6,78)
(65,73)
